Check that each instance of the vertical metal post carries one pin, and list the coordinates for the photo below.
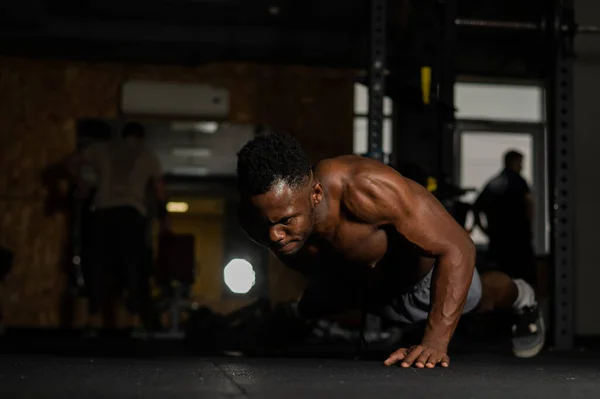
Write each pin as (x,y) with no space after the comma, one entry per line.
(376,94)
(561,162)
(376,79)
(446,79)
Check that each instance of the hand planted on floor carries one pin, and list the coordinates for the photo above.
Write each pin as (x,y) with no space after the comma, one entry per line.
(420,356)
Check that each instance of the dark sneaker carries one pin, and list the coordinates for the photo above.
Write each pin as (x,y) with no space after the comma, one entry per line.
(528,332)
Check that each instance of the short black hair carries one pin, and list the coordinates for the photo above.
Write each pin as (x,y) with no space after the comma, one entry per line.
(133,129)
(269,158)
(512,156)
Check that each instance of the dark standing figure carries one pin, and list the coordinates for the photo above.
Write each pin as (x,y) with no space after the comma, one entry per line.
(366,237)
(6,260)
(507,205)
(124,168)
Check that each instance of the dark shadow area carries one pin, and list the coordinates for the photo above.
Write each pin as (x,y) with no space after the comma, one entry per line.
(257,331)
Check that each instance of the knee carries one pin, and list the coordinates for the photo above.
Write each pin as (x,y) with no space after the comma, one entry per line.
(494,281)
(498,291)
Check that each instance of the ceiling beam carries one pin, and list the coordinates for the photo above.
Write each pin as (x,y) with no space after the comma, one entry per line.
(145,41)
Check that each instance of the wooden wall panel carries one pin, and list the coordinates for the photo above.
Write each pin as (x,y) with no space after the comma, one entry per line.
(40,104)
(318,110)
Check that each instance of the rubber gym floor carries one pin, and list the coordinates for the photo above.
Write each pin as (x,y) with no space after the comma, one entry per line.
(38,372)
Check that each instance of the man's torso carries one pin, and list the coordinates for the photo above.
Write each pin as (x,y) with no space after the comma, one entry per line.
(376,255)
(123,173)
(505,208)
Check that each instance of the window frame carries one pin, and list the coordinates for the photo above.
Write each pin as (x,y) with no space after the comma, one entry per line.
(365,115)
(539,164)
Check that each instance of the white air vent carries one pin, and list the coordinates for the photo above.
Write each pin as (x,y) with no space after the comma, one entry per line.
(174,100)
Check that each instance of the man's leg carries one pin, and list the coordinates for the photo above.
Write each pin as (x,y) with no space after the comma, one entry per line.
(515,258)
(499,291)
(329,296)
(2,329)
(520,263)
(132,232)
(97,266)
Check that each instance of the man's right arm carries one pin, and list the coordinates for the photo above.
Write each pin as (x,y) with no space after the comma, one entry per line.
(73,164)
(74,161)
(478,208)
(529,202)
(160,191)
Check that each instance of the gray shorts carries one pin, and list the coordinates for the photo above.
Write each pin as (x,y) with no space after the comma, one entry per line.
(413,306)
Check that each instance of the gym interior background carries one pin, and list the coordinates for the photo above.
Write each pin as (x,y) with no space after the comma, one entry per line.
(457,83)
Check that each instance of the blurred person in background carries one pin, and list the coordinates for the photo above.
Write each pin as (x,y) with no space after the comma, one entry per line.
(6,260)
(125,169)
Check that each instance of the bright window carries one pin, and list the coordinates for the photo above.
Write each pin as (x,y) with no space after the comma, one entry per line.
(361,120)
(499,102)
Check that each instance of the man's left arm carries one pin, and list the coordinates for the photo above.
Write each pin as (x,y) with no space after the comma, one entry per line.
(480,206)
(529,200)
(159,189)
(383,197)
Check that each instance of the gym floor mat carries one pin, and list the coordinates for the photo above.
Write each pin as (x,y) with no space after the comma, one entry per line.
(486,376)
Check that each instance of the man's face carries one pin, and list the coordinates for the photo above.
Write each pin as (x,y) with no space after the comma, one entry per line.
(285,216)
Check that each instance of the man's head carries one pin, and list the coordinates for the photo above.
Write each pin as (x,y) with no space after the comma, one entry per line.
(133,131)
(276,186)
(513,160)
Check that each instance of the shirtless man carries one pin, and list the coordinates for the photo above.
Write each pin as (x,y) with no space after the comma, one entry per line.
(367,237)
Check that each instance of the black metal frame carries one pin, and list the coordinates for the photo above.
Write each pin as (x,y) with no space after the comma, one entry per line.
(560,29)
(377,79)
(561,146)
(377,64)
(446,79)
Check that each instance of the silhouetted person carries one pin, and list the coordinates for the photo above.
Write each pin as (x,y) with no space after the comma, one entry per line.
(6,260)
(124,169)
(507,204)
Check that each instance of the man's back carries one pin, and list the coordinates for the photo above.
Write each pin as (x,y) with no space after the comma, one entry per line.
(357,243)
(123,171)
(503,200)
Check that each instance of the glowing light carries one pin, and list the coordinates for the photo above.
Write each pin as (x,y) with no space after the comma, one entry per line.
(177,207)
(239,276)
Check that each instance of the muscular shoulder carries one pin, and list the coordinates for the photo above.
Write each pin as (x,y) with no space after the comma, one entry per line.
(334,167)
(333,173)
(375,192)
